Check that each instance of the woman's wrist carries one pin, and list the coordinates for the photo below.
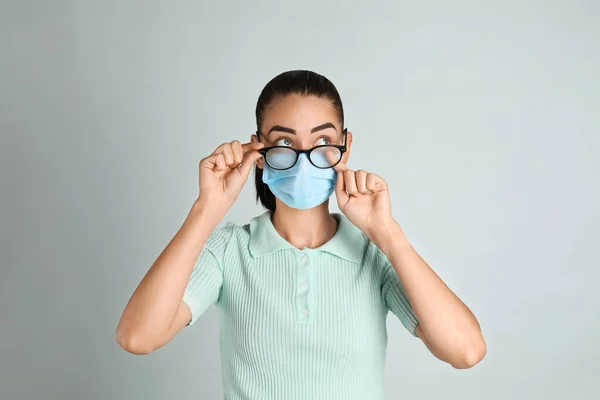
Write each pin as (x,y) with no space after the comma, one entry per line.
(389,235)
(207,214)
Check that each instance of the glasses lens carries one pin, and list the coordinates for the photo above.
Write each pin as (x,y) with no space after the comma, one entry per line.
(281,158)
(326,156)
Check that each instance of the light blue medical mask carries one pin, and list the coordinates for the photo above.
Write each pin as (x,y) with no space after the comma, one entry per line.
(303,186)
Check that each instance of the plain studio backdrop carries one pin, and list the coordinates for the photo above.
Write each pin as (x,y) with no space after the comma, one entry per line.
(482,116)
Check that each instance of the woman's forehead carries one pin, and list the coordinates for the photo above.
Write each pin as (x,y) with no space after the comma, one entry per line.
(301,113)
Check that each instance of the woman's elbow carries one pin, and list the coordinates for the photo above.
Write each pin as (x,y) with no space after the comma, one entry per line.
(471,356)
(134,342)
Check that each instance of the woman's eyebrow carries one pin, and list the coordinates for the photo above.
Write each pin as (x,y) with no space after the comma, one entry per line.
(321,127)
(280,128)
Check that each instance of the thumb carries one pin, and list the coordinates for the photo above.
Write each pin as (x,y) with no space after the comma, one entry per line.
(341,167)
(248,162)
(340,191)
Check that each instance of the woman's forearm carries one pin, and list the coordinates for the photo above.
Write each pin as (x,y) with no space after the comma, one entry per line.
(451,330)
(147,318)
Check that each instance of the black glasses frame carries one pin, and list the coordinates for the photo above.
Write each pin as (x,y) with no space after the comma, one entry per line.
(342,149)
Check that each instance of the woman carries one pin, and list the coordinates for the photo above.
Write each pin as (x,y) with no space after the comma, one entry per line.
(303,294)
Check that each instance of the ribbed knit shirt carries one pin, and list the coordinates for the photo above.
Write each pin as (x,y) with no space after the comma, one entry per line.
(304,324)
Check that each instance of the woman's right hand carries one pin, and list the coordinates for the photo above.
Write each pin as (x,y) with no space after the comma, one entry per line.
(224,173)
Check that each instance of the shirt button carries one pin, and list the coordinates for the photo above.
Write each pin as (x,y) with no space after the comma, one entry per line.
(303,259)
(304,311)
(303,286)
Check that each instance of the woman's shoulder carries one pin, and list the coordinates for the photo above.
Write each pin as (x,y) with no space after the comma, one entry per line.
(229,232)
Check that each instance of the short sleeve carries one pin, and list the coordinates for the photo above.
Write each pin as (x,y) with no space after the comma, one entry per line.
(204,286)
(395,297)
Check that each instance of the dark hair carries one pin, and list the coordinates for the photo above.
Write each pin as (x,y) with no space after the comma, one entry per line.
(303,82)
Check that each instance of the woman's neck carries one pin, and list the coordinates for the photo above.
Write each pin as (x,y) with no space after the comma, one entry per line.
(304,228)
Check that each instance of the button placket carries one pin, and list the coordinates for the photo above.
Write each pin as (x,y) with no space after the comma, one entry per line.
(303,287)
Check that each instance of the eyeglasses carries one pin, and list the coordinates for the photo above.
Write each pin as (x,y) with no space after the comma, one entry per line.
(324,156)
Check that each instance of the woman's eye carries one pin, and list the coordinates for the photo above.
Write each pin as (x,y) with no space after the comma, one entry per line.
(323,141)
(283,142)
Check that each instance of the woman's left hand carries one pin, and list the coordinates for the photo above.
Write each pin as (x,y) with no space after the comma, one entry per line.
(364,199)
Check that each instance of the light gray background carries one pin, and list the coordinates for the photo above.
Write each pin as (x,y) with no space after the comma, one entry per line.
(482,116)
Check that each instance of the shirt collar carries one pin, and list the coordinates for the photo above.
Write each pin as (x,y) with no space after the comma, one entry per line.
(348,241)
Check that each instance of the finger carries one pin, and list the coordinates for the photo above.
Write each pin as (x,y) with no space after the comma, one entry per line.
(247,163)
(220,162)
(238,153)
(228,153)
(340,191)
(339,183)
(350,181)
(361,181)
(246,147)
(208,162)
(375,183)
(340,167)
(331,155)
(219,149)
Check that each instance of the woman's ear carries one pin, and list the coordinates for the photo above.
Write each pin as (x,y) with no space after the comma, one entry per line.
(348,147)
(260,163)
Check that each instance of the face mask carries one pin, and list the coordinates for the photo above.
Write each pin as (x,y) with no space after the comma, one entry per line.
(303,186)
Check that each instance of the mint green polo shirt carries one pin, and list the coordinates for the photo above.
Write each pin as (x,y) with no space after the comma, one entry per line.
(298,324)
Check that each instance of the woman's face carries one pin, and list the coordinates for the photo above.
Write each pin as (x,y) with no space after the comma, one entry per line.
(301,122)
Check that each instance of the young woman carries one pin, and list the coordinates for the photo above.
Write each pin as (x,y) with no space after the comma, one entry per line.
(303,294)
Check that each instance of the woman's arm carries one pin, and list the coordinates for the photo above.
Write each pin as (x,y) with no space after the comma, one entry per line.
(155,312)
(446,325)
